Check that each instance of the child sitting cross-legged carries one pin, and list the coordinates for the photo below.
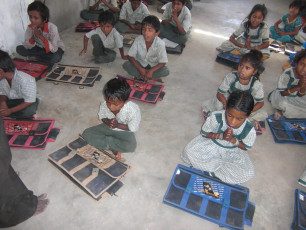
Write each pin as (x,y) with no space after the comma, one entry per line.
(18,93)
(292,21)
(131,16)
(221,148)
(176,22)
(289,99)
(42,41)
(147,57)
(120,119)
(104,40)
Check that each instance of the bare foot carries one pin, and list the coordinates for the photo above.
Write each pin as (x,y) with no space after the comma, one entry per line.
(30,58)
(159,80)
(277,114)
(117,154)
(42,203)
(256,124)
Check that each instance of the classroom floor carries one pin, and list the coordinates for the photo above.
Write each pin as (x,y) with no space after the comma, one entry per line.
(164,131)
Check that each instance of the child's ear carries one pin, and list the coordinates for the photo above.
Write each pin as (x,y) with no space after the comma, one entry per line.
(255,71)
(157,33)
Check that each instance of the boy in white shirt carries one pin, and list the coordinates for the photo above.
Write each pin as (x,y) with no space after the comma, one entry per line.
(104,40)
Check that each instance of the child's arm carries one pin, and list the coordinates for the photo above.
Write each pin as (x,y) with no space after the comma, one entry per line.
(233,40)
(137,66)
(93,7)
(124,57)
(85,46)
(258,106)
(276,25)
(301,88)
(150,72)
(295,32)
(132,26)
(112,8)
(177,21)
(5,111)
(222,99)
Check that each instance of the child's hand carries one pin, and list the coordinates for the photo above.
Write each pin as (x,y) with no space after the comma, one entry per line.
(174,14)
(37,32)
(248,43)
(302,82)
(124,57)
(113,123)
(83,52)
(5,111)
(143,72)
(281,33)
(149,75)
(228,134)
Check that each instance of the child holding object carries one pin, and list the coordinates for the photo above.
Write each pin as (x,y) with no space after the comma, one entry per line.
(120,119)
(221,149)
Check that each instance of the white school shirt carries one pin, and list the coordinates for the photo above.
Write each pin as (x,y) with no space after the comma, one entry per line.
(184,17)
(51,42)
(138,15)
(23,86)
(102,5)
(156,53)
(111,41)
(128,115)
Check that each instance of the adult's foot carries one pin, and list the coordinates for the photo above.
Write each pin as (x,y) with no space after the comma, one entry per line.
(42,203)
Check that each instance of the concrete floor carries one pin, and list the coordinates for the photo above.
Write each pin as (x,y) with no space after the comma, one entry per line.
(164,131)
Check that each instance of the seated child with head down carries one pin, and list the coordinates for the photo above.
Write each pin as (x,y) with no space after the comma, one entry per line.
(176,22)
(42,41)
(292,22)
(245,79)
(104,40)
(18,93)
(289,99)
(120,119)
(253,34)
(97,7)
(221,148)
(131,16)
(147,57)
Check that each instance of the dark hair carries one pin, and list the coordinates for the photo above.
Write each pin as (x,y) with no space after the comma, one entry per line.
(258,7)
(107,17)
(299,56)
(151,20)
(41,8)
(117,88)
(242,101)
(297,3)
(182,1)
(254,57)
(6,62)
(135,0)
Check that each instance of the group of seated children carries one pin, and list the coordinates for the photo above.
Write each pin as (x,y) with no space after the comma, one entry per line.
(226,134)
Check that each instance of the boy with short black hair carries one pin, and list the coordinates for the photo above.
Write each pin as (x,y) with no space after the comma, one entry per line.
(104,40)
(120,119)
(131,16)
(97,7)
(18,93)
(176,22)
(147,56)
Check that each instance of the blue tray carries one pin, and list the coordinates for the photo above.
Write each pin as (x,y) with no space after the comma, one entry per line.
(299,217)
(210,198)
(288,131)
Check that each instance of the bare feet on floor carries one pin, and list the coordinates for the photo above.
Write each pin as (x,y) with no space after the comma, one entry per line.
(277,114)
(42,203)
(159,80)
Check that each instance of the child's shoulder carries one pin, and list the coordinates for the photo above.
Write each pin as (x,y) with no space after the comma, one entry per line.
(131,106)
(23,77)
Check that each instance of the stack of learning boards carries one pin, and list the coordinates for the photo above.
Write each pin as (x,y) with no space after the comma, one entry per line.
(33,68)
(299,216)
(84,27)
(95,171)
(172,47)
(79,75)
(30,134)
(209,198)
(128,39)
(148,92)
(288,131)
